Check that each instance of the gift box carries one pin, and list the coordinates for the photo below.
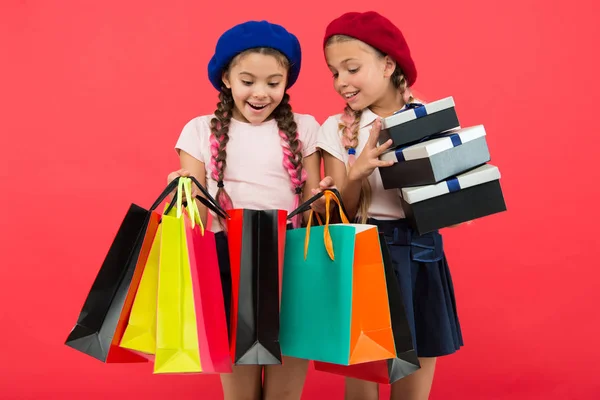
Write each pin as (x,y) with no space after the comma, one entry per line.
(434,160)
(417,121)
(465,197)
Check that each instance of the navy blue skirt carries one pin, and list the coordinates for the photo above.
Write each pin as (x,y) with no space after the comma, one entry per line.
(422,271)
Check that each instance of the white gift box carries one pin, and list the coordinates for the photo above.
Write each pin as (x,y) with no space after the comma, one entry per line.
(434,160)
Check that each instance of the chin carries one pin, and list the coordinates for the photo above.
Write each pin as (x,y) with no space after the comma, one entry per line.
(357,106)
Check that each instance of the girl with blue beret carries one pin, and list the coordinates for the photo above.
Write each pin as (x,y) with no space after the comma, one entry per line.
(253,152)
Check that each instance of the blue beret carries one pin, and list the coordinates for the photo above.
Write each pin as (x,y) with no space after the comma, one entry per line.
(249,35)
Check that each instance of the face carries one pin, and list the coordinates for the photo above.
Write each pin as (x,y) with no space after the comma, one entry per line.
(360,75)
(257,82)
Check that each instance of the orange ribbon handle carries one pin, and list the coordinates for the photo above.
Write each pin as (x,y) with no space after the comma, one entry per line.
(326,235)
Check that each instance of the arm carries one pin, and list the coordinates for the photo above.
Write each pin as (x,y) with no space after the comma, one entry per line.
(192,141)
(336,169)
(351,197)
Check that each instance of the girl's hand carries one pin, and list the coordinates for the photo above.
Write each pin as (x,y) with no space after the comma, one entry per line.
(319,205)
(182,172)
(462,223)
(368,160)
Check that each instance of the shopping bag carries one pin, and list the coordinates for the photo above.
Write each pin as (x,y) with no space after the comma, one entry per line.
(256,243)
(334,304)
(140,332)
(406,361)
(213,340)
(186,252)
(102,320)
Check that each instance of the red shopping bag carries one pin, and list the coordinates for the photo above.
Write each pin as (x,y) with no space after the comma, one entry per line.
(208,300)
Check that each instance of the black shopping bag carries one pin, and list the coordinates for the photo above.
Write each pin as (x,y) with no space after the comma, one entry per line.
(256,241)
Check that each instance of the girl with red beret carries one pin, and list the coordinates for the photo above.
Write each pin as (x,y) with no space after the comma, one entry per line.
(373,71)
(253,152)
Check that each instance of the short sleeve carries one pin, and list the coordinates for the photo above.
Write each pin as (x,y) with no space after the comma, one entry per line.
(194,138)
(329,140)
(308,130)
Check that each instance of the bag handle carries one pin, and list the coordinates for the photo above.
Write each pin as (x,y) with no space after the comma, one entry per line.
(208,201)
(170,187)
(211,199)
(184,186)
(306,205)
(192,207)
(330,194)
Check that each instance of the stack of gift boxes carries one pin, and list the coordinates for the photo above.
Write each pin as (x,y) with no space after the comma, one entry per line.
(441,170)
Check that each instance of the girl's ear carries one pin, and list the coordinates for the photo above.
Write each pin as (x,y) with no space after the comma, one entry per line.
(407,95)
(389,66)
(225,79)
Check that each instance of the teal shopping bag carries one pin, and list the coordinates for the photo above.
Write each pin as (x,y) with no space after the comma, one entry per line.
(334,305)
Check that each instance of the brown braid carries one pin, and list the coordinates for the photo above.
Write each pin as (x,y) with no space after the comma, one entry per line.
(284,116)
(292,151)
(219,126)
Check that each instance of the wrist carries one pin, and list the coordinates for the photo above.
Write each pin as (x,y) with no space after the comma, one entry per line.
(353,175)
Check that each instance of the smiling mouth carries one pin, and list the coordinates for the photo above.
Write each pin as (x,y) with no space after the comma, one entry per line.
(348,96)
(257,106)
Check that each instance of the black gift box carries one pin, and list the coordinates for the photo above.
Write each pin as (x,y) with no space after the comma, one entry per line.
(474,194)
(434,160)
(417,121)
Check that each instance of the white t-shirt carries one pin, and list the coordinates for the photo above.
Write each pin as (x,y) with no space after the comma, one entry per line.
(385,204)
(254,176)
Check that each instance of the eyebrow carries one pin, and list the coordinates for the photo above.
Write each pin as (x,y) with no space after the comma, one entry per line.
(268,77)
(345,61)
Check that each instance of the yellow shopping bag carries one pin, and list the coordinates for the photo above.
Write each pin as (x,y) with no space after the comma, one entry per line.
(177,349)
(140,333)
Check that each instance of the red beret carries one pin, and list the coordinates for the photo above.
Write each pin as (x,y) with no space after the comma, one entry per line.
(379,32)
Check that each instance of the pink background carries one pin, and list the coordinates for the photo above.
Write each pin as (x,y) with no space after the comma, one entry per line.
(95,94)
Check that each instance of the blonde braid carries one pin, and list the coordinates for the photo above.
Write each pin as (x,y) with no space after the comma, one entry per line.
(350,126)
